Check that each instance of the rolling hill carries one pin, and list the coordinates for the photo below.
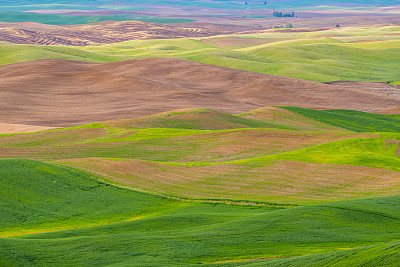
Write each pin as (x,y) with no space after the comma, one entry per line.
(364,54)
(271,186)
(204,154)
(66,93)
(193,151)
(66,216)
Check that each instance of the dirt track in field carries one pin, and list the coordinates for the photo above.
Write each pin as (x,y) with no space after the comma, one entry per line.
(66,93)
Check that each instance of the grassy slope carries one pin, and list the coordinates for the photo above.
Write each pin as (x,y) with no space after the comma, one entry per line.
(183,233)
(277,181)
(120,139)
(119,226)
(352,120)
(244,164)
(19,53)
(306,55)
(386,254)
(296,121)
(36,197)
(320,59)
(201,119)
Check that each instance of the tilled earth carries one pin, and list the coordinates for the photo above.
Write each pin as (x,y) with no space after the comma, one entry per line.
(66,93)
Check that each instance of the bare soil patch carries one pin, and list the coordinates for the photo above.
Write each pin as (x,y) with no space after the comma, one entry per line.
(395,110)
(6,128)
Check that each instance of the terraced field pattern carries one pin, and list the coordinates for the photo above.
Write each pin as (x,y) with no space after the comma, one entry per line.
(276,186)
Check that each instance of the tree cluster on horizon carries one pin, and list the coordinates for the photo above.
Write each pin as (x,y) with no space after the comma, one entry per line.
(280,14)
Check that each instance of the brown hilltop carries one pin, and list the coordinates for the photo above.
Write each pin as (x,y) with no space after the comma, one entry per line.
(66,93)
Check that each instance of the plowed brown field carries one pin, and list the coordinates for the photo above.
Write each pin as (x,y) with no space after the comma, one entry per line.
(66,93)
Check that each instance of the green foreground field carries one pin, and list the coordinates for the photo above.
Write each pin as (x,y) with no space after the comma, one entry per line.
(350,54)
(69,217)
(271,187)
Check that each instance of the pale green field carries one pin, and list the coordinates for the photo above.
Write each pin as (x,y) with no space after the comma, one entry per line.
(354,53)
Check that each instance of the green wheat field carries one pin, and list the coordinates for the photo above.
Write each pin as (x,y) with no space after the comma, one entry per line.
(164,190)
